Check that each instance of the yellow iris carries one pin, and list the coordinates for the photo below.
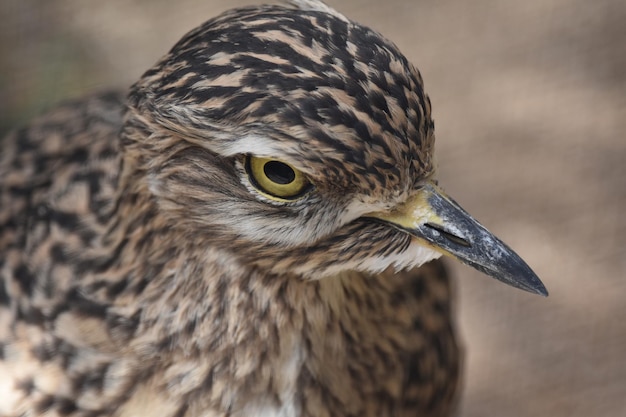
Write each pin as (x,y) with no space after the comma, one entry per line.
(276,178)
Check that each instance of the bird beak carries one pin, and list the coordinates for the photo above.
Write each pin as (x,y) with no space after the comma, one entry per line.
(438,221)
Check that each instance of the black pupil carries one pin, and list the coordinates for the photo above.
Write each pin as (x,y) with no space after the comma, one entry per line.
(279,172)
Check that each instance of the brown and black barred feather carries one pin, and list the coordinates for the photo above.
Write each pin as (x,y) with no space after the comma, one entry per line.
(142,275)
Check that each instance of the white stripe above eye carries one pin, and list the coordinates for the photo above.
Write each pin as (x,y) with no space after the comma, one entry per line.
(257,145)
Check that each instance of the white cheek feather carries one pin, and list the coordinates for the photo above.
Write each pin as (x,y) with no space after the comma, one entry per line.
(358,208)
(277,231)
(414,256)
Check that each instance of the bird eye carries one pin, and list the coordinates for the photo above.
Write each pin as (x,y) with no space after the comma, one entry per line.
(276,178)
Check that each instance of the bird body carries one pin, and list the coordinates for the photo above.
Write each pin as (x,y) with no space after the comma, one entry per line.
(72,341)
(241,236)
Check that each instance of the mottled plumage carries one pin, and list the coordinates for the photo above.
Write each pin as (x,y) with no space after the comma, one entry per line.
(145,273)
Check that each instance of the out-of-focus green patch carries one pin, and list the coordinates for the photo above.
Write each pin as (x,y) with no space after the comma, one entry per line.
(59,68)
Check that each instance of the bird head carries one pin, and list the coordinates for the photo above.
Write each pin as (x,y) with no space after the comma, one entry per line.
(301,141)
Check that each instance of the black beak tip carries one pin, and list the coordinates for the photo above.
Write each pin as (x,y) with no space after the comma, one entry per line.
(525,278)
(514,272)
(538,288)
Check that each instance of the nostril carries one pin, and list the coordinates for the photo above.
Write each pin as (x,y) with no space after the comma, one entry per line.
(454,238)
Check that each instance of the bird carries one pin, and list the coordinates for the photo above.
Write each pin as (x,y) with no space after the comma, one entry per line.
(252,229)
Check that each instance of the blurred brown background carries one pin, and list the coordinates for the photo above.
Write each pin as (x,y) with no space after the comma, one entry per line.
(530,104)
